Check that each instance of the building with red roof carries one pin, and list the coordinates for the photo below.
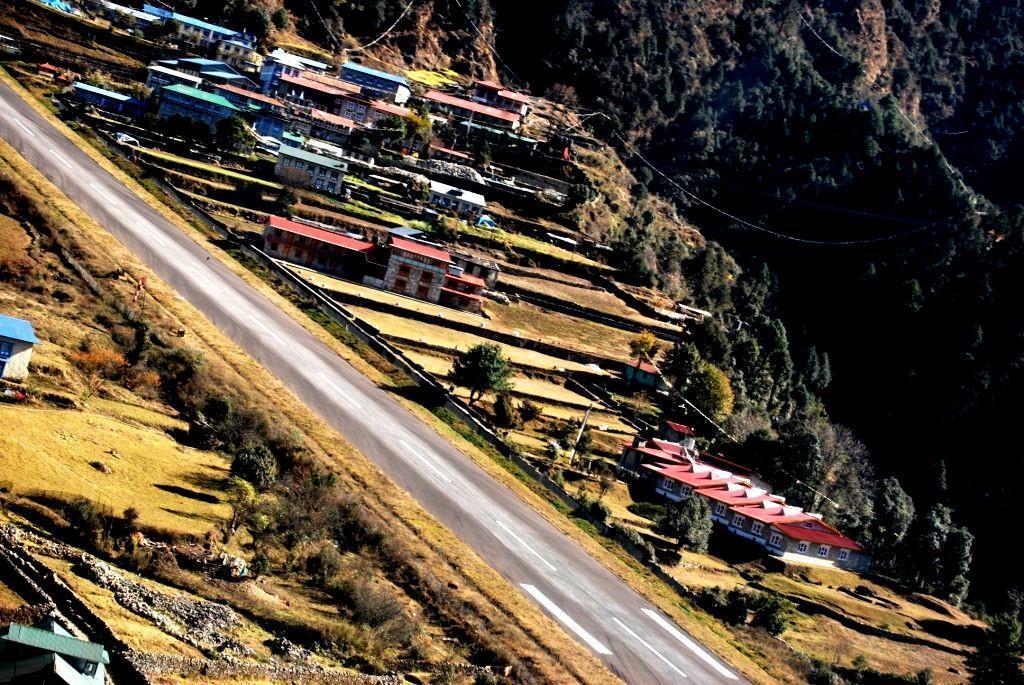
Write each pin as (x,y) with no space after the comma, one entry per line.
(494,94)
(427,272)
(677,471)
(643,374)
(472,111)
(316,248)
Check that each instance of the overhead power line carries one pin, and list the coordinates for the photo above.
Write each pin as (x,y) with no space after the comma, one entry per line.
(388,30)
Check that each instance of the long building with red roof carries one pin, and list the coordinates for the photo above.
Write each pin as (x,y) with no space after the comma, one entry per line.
(472,110)
(677,471)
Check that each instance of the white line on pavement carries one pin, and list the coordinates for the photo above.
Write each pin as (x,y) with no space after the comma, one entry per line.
(693,646)
(425,461)
(266,329)
(102,193)
(572,625)
(26,128)
(651,649)
(528,548)
(61,158)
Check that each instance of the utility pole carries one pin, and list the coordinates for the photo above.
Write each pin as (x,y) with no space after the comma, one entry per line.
(583,427)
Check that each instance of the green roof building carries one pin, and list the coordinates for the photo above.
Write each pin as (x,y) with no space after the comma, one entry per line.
(195,104)
(49,654)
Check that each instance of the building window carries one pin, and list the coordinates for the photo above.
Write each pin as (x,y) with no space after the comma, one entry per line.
(668,484)
(844,554)
(802,548)
(720,509)
(737,521)
(823,551)
(775,540)
(404,269)
(686,490)
(756,527)
(400,284)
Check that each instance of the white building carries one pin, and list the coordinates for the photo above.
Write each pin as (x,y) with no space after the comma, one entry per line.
(460,201)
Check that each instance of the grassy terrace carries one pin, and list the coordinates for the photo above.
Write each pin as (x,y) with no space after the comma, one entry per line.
(531,322)
(423,333)
(526,243)
(211,169)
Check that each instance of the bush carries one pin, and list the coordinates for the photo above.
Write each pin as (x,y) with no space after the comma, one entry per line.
(772,612)
(649,510)
(324,564)
(597,509)
(257,465)
(505,413)
(528,412)
(373,605)
(100,362)
(84,518)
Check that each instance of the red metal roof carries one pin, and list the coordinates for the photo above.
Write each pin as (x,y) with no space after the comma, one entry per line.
(514,96)
(462,293)
(697,477)
(819,532)
(646,367)
(469,105)
(251,94)
(319,234)
(332,82)
(680,428)
(468,278)
(448,150)
(420,249)
(774,513)
(332,118)
(312,85)
(739,496)
(389,108)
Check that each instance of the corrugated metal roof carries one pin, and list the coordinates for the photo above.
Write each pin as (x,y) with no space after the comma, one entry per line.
(312,157)
(197,94)
(113,95)
(354,66)
(59,644)
(17,329)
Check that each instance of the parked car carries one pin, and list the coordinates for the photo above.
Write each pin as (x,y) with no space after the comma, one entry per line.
(125,139)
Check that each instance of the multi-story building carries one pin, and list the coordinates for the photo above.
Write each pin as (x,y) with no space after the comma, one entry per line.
(196,31)
(317,248)
(194,104)
(494,94)
(472,111)
(158,76)
(739,505)
(381,84)
(241,55)
(306,169)
(280,62)
(426,272)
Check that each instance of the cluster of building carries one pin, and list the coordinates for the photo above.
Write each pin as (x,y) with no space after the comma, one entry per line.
(740,504)
(404,263)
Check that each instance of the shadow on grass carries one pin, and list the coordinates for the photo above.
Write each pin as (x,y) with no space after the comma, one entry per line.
(185,492)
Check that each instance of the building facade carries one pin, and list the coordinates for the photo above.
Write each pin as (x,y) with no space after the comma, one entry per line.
(455,199)
(47,653)
(17,338)
(316,248)
(306,169)
(392,87)
(158,76)
(195,104)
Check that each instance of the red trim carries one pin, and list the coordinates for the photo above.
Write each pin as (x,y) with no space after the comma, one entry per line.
(251,94)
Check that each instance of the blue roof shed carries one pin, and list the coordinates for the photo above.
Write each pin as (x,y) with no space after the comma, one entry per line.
(17,329)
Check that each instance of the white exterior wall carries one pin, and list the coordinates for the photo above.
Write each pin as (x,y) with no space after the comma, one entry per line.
(16,368)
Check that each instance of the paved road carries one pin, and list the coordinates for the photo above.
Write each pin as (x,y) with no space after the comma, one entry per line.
(636,641)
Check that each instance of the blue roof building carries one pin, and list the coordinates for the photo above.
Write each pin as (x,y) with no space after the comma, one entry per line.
(107,99)
(380,83)
(16,341)
(197,31)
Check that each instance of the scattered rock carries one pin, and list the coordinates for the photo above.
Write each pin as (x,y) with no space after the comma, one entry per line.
(100,466)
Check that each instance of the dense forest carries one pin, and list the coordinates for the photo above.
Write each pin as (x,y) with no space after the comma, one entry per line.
(853,167)
(865,153)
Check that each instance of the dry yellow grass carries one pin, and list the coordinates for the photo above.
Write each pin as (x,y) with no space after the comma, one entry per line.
(52,451)
(419,332)
(9,599)
(516,627)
